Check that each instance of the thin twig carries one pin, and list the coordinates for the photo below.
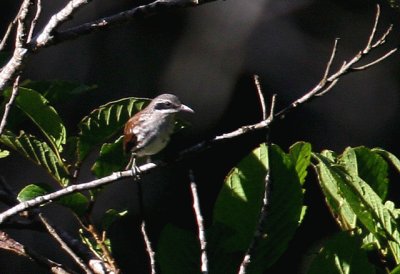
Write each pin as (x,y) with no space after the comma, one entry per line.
(7,34)
(149,247)
(116,176)
(110,263)
(256,79)
(116,19)
(34,20)
(200,224)
(259,230)
(52,231)
(8,243)
(328,82)
(9,104)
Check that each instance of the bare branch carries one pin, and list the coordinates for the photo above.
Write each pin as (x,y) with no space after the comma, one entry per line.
(9,104)
(260,96)
(149,247)
(258,233)
(380,59)
(328,81)
(57,20)
(35,19)
(7,243)
(52,231)
(373,32)
(122,17)
(317,91)
(200,224)
(7,34)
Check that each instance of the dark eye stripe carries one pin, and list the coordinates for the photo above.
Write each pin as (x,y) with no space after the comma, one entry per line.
(164,105)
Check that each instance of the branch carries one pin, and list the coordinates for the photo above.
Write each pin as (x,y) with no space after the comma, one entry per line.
(49,35)
(258,233)
(52,231)
(330,79)
(57,20)
(8,243)
(9,104)
(200,224)
(149,248)
(325,84)
(13,67)
(122,17)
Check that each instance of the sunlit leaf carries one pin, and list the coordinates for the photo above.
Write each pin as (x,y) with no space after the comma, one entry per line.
(39,152)
(4,153)
(44,116)
(351,198)
(367,165)
(300,153)
(32,191)
(239,202)
(389,156)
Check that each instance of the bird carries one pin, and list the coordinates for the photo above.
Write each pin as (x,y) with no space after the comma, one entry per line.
(148,131)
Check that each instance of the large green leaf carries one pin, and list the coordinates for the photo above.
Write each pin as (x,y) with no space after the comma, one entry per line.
(239,202)
(360,199)
(342,254)
(105,122)
(342,212)
(178,251)
(389,156)
(39,152)
(44,116)
(367,165)
(300,153)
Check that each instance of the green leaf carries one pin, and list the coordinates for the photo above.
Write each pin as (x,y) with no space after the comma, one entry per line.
(328,180)
(389,156)
(342,254)
(300,153)
(110,216)
(4,153)
(44,116)
(32,191)
(112,158)
(354,194)
(239,202)
(178,251)
(77,202)
(39,152)
(105,122)
(367,165)
(57,91)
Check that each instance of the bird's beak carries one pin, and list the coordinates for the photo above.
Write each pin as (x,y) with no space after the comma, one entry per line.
(186,109)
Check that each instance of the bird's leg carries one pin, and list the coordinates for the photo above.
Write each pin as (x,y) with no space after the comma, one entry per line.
(132,165)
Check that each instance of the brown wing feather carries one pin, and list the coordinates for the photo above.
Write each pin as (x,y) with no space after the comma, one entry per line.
(130,139)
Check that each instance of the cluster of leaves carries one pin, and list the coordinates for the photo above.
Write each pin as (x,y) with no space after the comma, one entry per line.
(355,184)
(48,145)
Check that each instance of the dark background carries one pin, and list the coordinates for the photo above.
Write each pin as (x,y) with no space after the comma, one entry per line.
(207,56)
